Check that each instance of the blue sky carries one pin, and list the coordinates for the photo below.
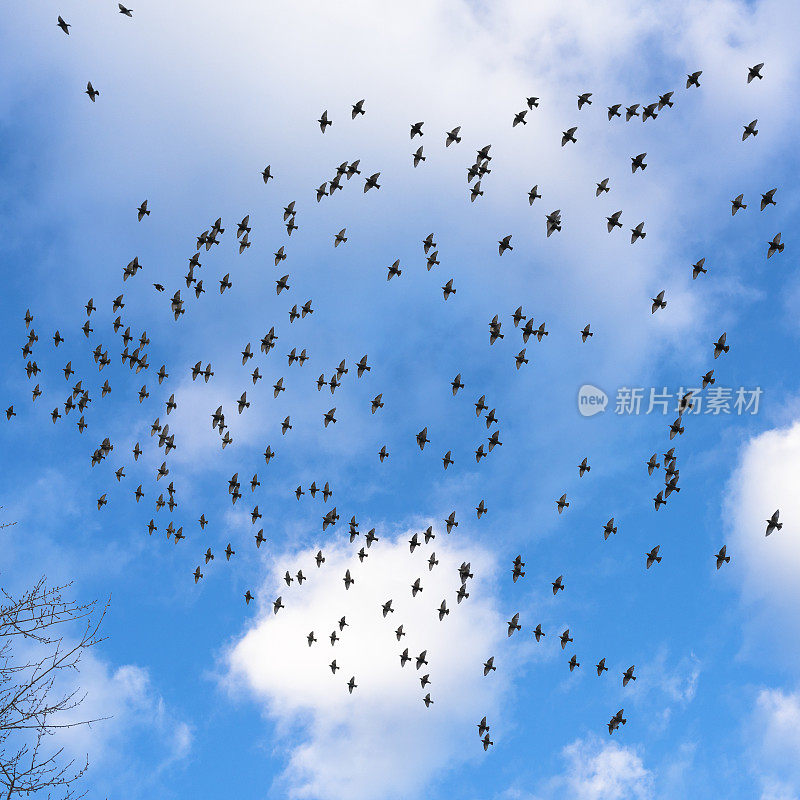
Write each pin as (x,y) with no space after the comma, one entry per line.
(211,697)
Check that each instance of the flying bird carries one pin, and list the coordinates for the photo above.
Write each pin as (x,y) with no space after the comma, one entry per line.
(753,72)
(773,524)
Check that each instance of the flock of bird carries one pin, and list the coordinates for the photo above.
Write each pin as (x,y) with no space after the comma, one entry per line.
(134,354)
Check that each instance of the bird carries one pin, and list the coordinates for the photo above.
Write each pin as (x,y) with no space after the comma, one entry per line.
(358,108)
(65,26)
(601,667)
(693,79)
(638,232)
(613,221)
(324,122)
(553,222)
(649,112)
(658,302)
(755,72)
(416,129)
(565,638)
(453,136)
(558,584)
(143,211)
(637,162)
(698,268)
(768,199)
(775,246)
(586,333)
(602,187)
(505,244)
(722,557)
(773,524)
(616,721)
(720,346)
(736,204)
(562,503)
(418,156)
(609,528)
(538,632)
(573,662)
(92,92)
(750,129)
(653,557)
(513,625)
(568,136)
(675,429)
(613,111)
(628,676)
(583,99)
(583,468)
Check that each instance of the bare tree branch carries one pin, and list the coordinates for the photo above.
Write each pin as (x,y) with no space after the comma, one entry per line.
(31,708)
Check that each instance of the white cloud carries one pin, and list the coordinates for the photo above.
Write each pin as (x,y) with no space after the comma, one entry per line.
(778,714)
(133,707)
(774,736)
(381,741)
(664,684)
(597,770)
(766,480)
(775,790)
(448,63)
